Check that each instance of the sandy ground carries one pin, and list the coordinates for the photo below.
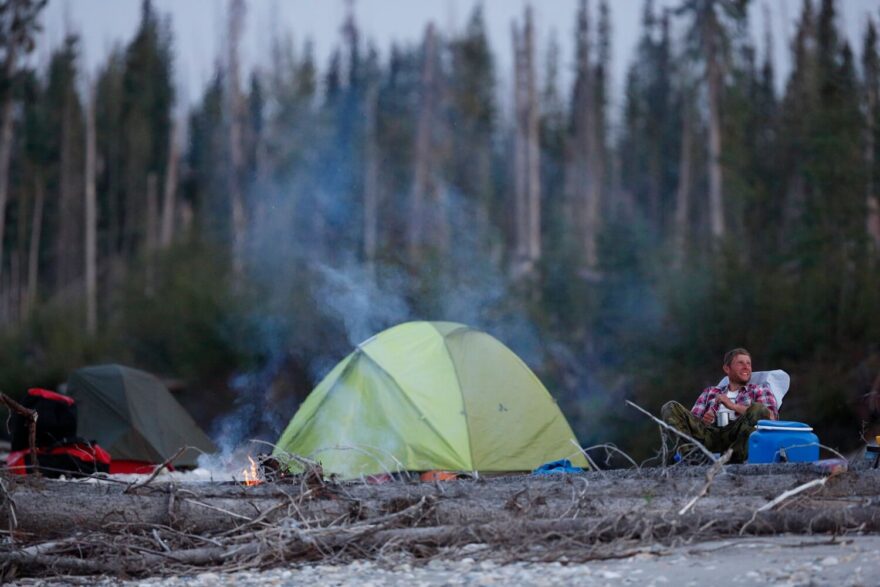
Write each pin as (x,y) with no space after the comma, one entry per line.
(782,561)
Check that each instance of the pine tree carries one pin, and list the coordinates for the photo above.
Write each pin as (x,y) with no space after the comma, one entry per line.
(871,68)
(147,101)
(472,119)
(19,23)
(110,138)
(553,136)
(709,37)
(526,162)
(581,174)
(65,181)
(427,227)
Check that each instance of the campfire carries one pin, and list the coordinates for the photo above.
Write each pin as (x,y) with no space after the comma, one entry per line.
(252,474)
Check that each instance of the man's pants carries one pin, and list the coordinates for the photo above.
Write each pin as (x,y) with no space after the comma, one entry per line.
(735,435)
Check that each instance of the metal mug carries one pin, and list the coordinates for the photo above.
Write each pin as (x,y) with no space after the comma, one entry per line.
(722,419)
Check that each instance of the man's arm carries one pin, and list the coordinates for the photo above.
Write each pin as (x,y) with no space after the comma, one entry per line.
(765,396)
(701,407)
(730,405)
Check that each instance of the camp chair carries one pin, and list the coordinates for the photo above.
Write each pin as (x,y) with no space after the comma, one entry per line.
(778,380)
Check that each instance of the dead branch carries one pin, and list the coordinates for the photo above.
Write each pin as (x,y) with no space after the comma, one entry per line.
(32,427)
(695,442)
(156,471)
(792,492)
(710,476)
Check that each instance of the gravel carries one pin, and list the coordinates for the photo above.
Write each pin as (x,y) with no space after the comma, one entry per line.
(782,561)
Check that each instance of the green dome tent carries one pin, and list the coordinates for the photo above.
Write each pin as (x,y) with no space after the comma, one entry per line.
(430,395)
(133,416)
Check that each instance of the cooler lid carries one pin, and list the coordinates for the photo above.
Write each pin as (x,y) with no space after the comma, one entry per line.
(783,426)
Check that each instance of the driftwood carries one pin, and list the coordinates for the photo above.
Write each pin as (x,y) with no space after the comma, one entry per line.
(50,508)
(89,527)
(31,415)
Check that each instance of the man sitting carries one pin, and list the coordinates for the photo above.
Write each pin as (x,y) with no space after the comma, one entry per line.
(744,402)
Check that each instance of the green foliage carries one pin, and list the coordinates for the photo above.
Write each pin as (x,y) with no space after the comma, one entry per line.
(189,319)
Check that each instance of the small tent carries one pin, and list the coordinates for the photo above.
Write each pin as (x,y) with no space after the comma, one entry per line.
(430,395)
(133,416)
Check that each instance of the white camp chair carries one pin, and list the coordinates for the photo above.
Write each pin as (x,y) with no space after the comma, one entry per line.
(778,381)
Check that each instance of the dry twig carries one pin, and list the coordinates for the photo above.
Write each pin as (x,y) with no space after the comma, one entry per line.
(156,471)
(710,476)
(695,442)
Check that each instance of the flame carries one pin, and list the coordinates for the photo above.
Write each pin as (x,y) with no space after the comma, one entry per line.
(251,475)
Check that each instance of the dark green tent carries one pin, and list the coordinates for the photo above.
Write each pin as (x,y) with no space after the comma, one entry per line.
(133,416)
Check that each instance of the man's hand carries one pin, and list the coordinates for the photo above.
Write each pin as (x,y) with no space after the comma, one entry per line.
(708,416)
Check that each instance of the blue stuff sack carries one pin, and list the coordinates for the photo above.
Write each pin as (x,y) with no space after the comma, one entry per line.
(560,466)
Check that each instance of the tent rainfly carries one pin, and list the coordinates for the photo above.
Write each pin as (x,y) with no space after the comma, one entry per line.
(430,395)
(133,416)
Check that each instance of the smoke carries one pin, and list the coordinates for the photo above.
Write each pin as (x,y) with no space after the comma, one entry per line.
(255,413)
(366,299)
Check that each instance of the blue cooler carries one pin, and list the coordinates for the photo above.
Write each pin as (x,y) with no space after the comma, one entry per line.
(775,441)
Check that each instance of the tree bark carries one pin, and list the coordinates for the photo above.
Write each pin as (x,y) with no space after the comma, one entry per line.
(683,193)
(6,136)
(91,219)
(169,193)
(871,199)
(714,75)
(371,176)
(236,136)
(419,231)
(34,249)
(581,174)
(527,178)
(54,508)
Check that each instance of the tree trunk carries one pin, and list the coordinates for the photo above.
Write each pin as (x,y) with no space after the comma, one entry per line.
(34,249)
(371,176)
(683,193)
(871,199)
(52,508)
(152,229)
(527,162)
(520,171)
(6,136)
(533,146)
(581,175)
(423,188)
(91,219)
(714,74)
(66,270)
(169,195)
(236,137)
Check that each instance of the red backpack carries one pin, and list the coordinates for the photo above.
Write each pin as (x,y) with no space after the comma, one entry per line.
(59,450)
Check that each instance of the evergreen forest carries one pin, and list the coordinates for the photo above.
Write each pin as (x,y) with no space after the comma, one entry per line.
(241,244)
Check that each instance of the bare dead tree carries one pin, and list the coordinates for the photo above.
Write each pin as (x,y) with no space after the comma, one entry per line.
(683,191)
(18,24)
(871,68)
(91,217)
(31,415)
(371,172)
(169,192)
(424,191)
(238,212)
(34,248)
(581,176)
(527,179)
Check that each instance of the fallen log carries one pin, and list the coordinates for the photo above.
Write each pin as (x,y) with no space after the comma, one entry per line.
(51,508)
(92,527)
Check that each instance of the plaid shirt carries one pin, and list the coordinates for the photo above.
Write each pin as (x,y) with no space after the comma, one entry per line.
(746,396)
